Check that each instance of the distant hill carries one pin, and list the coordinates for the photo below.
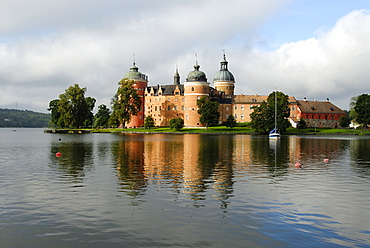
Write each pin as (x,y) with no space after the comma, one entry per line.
(23,118)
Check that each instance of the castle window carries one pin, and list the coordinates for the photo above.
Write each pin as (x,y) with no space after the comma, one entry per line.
(168,107)
(227,116)
(242,108)
(192,88)
(236,116)
(236,107)
(242,116)
(227,109)
(182,107)
(155,108)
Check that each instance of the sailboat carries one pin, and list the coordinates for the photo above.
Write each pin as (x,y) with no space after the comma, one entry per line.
(274,133)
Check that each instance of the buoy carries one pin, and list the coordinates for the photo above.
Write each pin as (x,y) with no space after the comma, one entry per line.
(326,160)
(298,165)
(58,154)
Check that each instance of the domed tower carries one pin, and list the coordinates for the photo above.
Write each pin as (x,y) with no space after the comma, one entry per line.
(140,83)
(195,87)
(224,80)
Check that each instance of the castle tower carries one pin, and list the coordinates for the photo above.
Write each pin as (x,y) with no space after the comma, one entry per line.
(224,80)
(195,87)
(176,77)
(140,83)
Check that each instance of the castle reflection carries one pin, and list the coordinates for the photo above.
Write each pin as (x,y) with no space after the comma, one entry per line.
(196,164)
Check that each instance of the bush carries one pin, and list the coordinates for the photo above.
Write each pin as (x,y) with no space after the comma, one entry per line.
(176,123)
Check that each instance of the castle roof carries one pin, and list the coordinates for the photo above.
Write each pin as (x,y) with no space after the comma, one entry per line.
(196,75)
(166,89)
(223,74)
(257,99)
(135,74)
(319,107)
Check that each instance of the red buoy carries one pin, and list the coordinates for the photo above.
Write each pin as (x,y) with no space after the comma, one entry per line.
(298,165)
(58,154)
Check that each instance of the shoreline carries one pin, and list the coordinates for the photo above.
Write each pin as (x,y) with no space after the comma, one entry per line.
(85,131)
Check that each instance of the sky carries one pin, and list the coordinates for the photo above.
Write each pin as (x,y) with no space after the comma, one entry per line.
(316,49)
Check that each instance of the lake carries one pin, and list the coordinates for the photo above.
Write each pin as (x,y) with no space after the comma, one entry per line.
(161,190)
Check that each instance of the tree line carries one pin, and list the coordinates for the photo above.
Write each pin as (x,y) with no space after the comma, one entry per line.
(73,110)
(23,118)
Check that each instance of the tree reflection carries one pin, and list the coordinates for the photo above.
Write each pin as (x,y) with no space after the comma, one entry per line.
(130,165)
(76,158)
(361,156)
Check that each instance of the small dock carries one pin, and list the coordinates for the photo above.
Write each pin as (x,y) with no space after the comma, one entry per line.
(67,130)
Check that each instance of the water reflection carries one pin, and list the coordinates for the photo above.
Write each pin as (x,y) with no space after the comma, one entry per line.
(75,161)
(194,164)
(130,165)
(361,156)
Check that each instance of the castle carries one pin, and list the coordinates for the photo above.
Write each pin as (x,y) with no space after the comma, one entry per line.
(164,102)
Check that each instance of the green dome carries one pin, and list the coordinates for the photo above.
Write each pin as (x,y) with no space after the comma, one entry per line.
(134,73)
(196,75)
(223,74)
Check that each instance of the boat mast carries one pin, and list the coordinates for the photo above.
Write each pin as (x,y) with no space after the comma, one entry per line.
(275,110)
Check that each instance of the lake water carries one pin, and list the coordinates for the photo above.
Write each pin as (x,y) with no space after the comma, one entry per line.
(160,190)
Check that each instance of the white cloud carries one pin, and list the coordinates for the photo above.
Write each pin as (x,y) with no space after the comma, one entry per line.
(333,65)
(47,46)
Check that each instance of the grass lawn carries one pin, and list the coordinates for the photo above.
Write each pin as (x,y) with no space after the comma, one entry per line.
(237,130)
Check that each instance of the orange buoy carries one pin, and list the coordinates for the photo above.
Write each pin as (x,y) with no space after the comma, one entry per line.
(58,154)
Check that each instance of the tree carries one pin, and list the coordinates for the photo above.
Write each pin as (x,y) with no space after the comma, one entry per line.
(362,109)
(301,124)
(177,123)
(55,115)
(148,122)
(344,121)
(230,122)
(72,109)
(208,110)
(263,116)
(126,102)
(102,116)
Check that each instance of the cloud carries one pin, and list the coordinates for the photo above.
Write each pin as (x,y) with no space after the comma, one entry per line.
(332,65)
(46,46)
(52,45)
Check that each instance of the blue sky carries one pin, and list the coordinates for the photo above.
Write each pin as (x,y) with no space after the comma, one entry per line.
(305,48)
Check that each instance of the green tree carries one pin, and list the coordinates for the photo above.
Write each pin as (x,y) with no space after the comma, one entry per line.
(301,124)
(208,110)
(263,116)
(102,116)
(72,109)
(344,121)
(126,102)
(362,109)
(55,114)
(148,122)
(177,123)
(230,122)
